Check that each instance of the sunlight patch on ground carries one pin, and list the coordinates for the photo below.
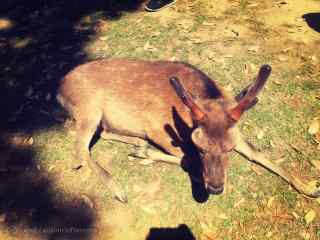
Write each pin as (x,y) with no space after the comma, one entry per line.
(5,24)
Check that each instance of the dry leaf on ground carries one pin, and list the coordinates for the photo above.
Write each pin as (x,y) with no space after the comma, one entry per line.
(314,127)
(310,216)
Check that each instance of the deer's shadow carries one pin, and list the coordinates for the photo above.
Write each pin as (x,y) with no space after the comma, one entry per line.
(180,134)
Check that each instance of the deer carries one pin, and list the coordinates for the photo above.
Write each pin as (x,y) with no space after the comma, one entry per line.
(172,105)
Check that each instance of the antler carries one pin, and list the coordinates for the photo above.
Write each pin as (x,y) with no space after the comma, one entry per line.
(250,97)
(197,113)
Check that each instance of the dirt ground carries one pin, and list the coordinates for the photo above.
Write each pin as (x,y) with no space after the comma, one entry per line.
(43,197)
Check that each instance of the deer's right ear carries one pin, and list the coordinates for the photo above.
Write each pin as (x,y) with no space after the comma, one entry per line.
(197,113)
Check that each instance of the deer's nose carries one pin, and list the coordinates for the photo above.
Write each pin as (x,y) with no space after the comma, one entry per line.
(214,190)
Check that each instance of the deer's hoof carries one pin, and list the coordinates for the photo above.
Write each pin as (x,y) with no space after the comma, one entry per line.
(121,197)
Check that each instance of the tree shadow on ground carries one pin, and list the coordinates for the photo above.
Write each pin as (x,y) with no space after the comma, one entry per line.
(28,204)
(43,41)
(313,20)
(40,42)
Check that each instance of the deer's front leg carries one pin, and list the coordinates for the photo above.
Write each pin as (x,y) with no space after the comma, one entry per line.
(246,149)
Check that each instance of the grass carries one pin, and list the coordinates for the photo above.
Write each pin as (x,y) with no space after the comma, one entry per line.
(256,204)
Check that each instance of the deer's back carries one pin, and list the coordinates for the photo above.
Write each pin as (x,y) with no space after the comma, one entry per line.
(132,94)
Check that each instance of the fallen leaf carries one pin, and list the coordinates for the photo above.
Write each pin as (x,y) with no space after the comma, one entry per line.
(310,216)
(314,58)
(260,134)
(295,148)
(246,69)
(238,203)
(270,202)
(253,4)
(173,59)
(291,30)
(305,235)
(51,168)
(276,82)
(208,233)
(155,34)
(148,47)
(256,169)
(30,141)
(315,163)
(21,43)
(272,144)
(20,140)
(253,49)
(146,162)
(282,58)
(148,209)
(296,216)
(314,127)
(196,40)
(103,38)
(222,216)
(269,234)
(317,137)
(280,160)
(208,236)
(204,226)
(219,60)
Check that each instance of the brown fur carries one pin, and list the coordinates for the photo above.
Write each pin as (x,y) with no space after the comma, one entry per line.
(135,98)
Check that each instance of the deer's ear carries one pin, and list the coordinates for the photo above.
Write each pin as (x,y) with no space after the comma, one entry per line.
(198,138)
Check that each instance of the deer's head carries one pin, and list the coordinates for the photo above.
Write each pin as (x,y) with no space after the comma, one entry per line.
(214,120)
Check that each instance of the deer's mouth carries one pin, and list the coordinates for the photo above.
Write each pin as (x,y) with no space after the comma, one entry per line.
(214,190)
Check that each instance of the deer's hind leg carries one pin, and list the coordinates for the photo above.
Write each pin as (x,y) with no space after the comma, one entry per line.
(86,127)
(140,141)
(246,149)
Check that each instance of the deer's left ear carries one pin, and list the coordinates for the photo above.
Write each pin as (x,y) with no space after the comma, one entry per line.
(198,138)
(250,97)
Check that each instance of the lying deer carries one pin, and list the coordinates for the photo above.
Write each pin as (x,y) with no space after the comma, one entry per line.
(164,103)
